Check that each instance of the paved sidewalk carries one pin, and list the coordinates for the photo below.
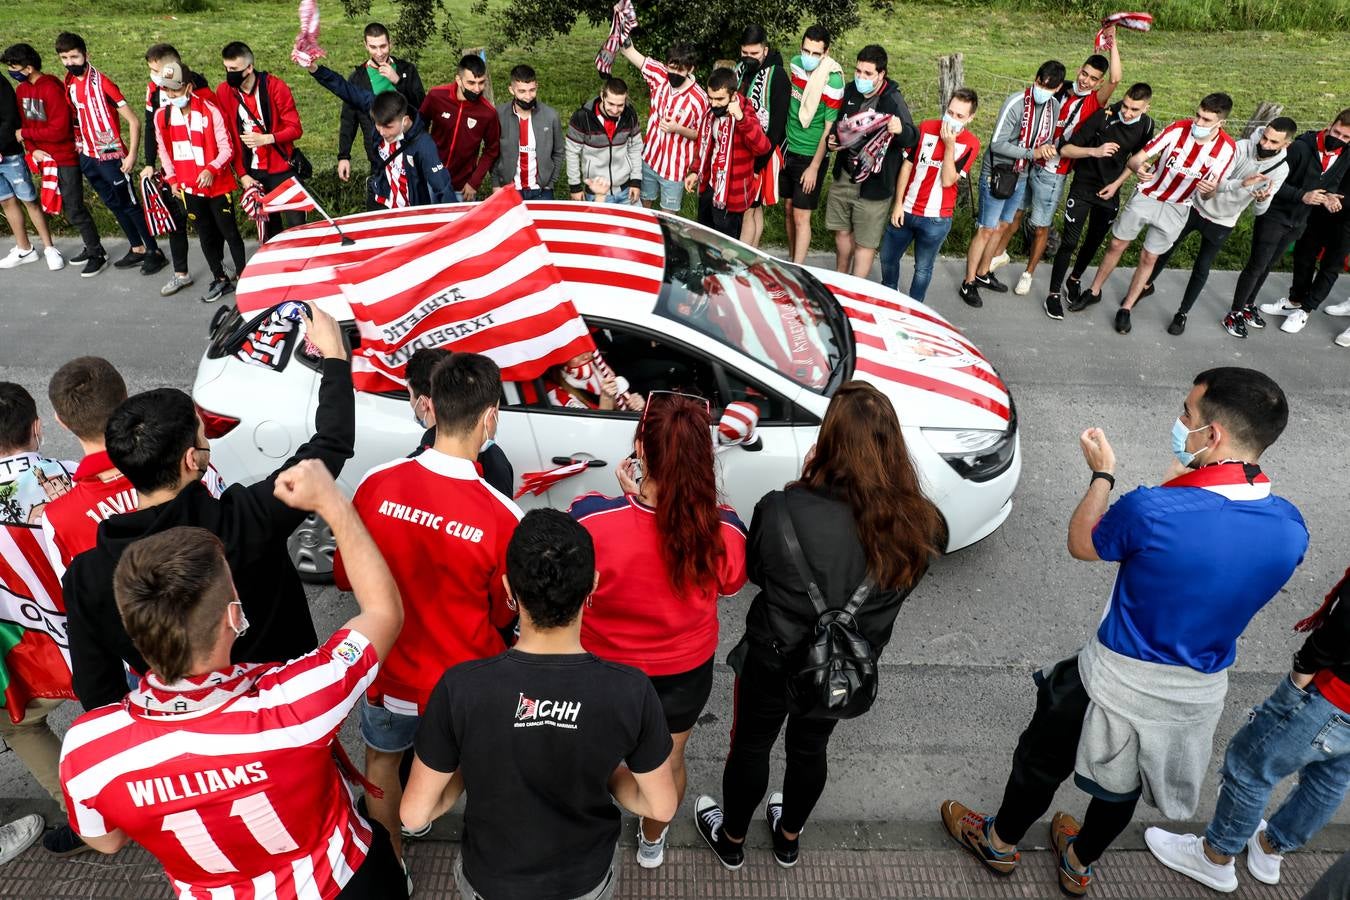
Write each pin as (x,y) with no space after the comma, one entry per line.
(691,873)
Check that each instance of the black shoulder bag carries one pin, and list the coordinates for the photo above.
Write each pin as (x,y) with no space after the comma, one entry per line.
(834,674)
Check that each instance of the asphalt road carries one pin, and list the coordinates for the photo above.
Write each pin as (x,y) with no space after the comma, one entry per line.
(956,688)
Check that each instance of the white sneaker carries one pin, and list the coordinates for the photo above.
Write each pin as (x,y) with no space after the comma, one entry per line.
(650,854)
(1281,307)
(1185,853)
(1265,867)
(19,835)
(1023,284)
(999,262)
(1343,340)
(19,257)
(1295,322)
(55,261)
(1338,309)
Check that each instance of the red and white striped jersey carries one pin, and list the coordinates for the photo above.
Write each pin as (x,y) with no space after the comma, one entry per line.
(95,99)
(925,195)
(229,779)
(1183,162)
(527,170)
(670,155)
(1073,111)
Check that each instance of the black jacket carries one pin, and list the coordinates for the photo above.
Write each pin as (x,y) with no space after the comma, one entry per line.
(1305,174)
(781,616)
(9,120)
(409,85)
(497,470)
(152,105)
(252,524)
(1328,647)
(880,186)
(779,91)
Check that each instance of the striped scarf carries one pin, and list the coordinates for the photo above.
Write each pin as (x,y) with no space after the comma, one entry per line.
(157,216)
(47,170)
(1044,129)
(97,131)
(620,29)
(398,178)
(252,204)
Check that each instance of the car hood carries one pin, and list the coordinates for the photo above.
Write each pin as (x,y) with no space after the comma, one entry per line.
(932,372)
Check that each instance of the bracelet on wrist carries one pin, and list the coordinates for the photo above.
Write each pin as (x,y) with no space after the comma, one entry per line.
(1104,476)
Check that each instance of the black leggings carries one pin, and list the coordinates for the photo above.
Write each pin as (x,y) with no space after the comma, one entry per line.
(1270,239)
(1212,238)
(1044,759)
(1319,255)
(380,876)
(214,218)
(760,708)
(1082,208)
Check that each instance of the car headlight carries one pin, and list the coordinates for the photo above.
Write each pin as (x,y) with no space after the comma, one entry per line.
(975,453)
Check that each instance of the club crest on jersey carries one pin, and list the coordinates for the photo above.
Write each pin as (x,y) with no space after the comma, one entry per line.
(926,346)
(348,652)
(557,713)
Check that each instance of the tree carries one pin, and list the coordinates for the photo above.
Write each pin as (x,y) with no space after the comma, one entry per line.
(712,27)
(418,22)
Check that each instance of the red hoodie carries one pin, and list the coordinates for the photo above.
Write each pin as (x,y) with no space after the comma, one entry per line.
(737,160)
(47,119)
(459,127)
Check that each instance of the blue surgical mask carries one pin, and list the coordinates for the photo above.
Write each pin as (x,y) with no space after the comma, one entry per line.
(1201,131)
(864,85)
(1179,433)
(809,63)
(18,76)
(954,124)
(180,102)
(1041,95)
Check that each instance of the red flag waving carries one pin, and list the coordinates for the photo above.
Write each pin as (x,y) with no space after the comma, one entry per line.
(34,654)
(483,283)
(287,196)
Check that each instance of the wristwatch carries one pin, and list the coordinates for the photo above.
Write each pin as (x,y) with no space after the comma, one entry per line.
(1104,476)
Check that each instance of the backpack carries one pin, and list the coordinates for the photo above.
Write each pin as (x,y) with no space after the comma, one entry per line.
(833,675)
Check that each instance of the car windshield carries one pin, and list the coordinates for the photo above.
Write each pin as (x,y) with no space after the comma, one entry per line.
(775,313)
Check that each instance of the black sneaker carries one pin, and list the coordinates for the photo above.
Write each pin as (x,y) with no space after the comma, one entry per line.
(1122,321)
(1178,324)
(1235,323)
(1084,300)
(1073,287)
(785,852)
(153,263)
(218,288)
(970,292)
(131,260)
(991,282)
(62,841)
(1253,317)
(93,265)
(84,255)
(708,821)
(1147,291)
(1053,307)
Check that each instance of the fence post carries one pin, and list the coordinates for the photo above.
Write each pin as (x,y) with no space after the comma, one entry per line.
(951,75)
(1265,112)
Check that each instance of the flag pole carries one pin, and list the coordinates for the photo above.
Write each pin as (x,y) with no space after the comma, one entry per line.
(346,241)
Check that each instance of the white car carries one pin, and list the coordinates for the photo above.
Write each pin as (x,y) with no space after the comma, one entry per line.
(673,305)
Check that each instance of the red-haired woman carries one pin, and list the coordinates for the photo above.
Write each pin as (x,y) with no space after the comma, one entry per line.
(858,510)
(665,550)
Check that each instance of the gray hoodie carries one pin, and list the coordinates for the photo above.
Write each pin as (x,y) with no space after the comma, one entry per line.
(1004,145)
(1226,204)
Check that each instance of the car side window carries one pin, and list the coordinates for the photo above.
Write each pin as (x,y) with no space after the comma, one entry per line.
(773,409)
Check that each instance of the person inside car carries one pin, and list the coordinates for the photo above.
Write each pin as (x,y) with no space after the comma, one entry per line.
(587,382)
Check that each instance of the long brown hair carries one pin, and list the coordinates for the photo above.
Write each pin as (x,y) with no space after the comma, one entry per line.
(677,449)
(861,456)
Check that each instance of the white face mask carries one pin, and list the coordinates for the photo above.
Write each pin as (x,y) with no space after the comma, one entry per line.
(955,125)
(243,620)
(1201,131)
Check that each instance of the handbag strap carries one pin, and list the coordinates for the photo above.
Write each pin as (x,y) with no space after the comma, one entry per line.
(794,549)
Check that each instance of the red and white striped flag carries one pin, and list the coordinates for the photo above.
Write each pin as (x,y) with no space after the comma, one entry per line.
(484,283)
(288,196)
(34,651)
(47,170)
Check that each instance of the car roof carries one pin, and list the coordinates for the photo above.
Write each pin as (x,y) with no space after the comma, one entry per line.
(614,255)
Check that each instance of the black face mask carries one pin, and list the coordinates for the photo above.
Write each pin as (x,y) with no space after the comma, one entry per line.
(527,105)
(79,70)
(1263,153)
(718,111)
(750,65)
(676,79)
(1333,143)
(470,96)
(234,79)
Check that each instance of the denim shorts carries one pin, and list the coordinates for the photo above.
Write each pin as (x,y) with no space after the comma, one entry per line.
(671,193)
(15,180)
(1044,188)
(388,732)
(993,211)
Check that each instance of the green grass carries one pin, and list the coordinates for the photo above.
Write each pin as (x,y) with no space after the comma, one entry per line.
(1002,47)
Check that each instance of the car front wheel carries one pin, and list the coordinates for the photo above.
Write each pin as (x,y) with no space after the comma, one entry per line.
(312,547)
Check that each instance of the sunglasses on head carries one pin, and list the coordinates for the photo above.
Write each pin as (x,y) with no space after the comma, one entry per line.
(657,397)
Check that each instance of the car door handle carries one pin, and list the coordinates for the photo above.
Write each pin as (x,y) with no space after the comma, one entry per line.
(569,460)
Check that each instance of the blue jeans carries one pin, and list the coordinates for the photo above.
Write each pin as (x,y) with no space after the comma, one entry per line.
(654,187)
(927,234)
(1292,731)
(388,732)
(619,196)
(536,194)
(115,190)
(995,211)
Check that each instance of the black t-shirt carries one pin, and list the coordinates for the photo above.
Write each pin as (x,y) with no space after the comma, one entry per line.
(536,739)
(1103,127)
(497,470)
